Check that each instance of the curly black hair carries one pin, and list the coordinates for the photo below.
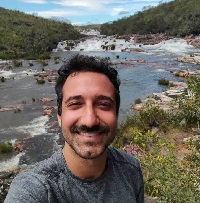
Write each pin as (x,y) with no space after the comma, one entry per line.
(84,63)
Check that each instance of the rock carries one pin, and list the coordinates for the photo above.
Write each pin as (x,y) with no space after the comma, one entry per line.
(47,110)
(6,178)
(192,59)
(194,138)
(18,146)
(138,107)
(44,100)
(162,97)
(17,107)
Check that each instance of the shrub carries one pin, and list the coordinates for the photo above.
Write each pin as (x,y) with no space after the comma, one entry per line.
(6,147)
(40,81)
(138,101)
(56,58)
(163,81)
(43,62)
(17,63)
(56,61)
(2,79)
(17,110)
(164,175)
(44,56)
(112,47)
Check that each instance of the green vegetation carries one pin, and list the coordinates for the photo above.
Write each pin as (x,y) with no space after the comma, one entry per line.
(56,59)
(163,81)
(43,63)
(30,64)
(112,47)
(176,18)
(40,81)
(152,136)
(138,101)
(87,27)
(6,147)
(2,79)
(28,36)
(17,63)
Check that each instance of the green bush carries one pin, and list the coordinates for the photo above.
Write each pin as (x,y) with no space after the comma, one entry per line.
(112,47)
(44,56)
(17,63)
(6,147)
(40,81)
(138,101)
(165,176)
(2,79)
(43,62)
(163,81)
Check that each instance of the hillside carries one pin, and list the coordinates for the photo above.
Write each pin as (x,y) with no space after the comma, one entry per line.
(28,36)
(176,18)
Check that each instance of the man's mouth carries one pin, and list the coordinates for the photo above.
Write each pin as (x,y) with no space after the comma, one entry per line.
(92,134)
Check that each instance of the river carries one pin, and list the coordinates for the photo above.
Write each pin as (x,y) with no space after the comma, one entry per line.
(138,80)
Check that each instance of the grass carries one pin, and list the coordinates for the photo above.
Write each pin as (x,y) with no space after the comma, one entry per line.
(6,147)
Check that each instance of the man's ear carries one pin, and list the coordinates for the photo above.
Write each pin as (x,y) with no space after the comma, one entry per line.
(59,120)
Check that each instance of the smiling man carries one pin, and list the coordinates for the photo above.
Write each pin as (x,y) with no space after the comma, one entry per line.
(86,169)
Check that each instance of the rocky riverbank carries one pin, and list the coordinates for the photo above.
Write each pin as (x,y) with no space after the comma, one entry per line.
(6,178)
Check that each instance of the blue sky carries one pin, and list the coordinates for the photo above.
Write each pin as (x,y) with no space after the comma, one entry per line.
(80,12)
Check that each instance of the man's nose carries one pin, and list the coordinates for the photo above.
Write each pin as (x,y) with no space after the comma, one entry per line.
(90,117)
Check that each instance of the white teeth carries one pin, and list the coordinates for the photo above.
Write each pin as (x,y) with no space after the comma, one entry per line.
(89,134)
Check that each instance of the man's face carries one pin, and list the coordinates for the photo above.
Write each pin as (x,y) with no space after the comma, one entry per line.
(88,118)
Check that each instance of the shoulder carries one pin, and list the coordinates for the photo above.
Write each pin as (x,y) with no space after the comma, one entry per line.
(33,183)
(50,167)
(121,157)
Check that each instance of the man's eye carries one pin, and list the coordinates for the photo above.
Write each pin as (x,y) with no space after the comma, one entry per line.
(105,104)
(74,104)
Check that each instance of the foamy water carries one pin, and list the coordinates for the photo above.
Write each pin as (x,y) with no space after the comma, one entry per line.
(36,127)
(11,163)
(9,74)
(6,74)
(175,46)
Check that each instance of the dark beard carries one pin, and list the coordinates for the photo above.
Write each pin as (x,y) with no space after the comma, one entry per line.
(100,129)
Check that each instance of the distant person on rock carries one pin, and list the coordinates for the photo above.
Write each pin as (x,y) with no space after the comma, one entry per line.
(87,169)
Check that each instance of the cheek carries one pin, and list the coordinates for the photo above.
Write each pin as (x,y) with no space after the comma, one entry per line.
(111,120)
(68,118)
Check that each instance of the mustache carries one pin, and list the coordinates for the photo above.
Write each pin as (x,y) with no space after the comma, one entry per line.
(86,129)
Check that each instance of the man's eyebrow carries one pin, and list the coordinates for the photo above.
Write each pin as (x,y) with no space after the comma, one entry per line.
(103,97)
(76,97)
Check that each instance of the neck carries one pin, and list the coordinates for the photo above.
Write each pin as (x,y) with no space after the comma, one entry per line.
(84,168)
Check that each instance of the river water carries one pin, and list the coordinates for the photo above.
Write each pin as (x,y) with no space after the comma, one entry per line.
(138,80)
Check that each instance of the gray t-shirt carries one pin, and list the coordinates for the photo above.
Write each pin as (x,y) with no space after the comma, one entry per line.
(52,181)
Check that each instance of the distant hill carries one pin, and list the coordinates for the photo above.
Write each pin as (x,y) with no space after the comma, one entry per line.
(176,18)
(28,36)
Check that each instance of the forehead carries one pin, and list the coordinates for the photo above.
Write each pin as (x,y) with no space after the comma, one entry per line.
(88,82)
